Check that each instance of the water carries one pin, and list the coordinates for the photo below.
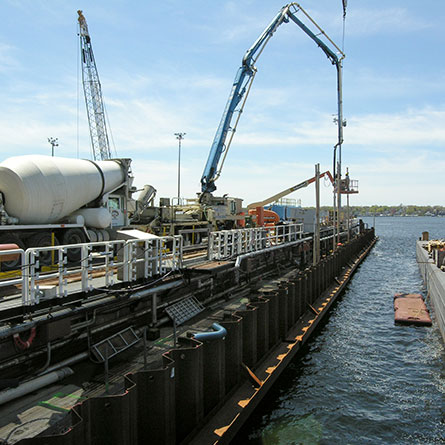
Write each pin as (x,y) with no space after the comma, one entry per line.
(361,379)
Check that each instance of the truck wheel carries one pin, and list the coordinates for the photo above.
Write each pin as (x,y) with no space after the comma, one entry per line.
(43,240)
(74,236)
(12,264)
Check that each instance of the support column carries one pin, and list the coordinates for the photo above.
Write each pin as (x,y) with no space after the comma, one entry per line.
(316,248)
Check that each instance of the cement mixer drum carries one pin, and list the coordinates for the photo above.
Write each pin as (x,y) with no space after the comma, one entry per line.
(43,189)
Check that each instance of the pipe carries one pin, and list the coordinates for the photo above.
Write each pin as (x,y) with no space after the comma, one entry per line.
(219,332)
(19,360)
(31,355)
(240,258)
(136,295)
(67,362)
(153,290)
(48,360)
(35,384)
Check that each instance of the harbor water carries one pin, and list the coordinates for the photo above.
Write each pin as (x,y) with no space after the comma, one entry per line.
(361,379)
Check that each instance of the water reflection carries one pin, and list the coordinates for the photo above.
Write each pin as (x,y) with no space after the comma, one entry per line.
(361,379)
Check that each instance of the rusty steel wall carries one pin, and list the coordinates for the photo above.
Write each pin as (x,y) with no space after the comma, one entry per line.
(170,403)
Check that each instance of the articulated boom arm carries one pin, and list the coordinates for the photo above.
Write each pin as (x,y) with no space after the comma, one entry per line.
(241,87)
(243,80)
(93,95)
(289,190)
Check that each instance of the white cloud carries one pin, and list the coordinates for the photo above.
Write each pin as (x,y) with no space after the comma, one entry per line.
(381,132)
(394,164)
(408,128)
(405,177)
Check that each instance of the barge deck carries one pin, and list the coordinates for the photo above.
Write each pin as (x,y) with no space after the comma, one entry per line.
(166,386)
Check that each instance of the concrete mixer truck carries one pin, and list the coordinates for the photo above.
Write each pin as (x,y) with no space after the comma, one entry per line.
(52,200)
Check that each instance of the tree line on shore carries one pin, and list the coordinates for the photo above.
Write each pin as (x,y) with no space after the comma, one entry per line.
(400,210)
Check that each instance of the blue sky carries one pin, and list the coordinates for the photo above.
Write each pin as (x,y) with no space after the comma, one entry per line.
(168,66)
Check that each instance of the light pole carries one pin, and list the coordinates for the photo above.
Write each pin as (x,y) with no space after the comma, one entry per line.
(54,143)
(179,137)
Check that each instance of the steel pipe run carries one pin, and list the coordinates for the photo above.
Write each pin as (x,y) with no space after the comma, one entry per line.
(34,384)
(240,258)
(153,290)
(218,332)
(67,362)
(135,295)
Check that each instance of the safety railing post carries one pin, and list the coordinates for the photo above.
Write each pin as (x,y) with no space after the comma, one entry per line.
(32,275)
(226,242)
(155,256)
(126,263)
(160,259)
(61,268)
(210,246)
(25,278)
(148,267)
(181,251)
(85,266)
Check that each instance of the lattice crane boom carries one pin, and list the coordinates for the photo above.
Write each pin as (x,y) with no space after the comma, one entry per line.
(100,145)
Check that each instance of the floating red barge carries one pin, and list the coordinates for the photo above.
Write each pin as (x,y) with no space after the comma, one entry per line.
(411,309)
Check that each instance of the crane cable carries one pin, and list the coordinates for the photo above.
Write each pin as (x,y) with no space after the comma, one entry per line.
(109,129)
(78,94)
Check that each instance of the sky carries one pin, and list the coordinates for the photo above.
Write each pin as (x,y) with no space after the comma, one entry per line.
(168,67)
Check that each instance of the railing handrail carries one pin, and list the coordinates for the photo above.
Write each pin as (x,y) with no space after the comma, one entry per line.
(136,258)
(154,256)
(226,244)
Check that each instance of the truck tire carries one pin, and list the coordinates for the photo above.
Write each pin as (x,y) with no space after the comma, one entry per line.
(74,236)
(43,239)
(12,264)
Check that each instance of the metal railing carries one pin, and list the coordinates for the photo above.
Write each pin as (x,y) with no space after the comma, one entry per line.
(13,278)
(230,243)
(195,238)
(291,202)
(88,266)
(58,271)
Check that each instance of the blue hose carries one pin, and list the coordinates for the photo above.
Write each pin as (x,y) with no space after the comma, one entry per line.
(219,332)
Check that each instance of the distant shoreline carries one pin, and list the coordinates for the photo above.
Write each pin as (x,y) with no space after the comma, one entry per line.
(401,210)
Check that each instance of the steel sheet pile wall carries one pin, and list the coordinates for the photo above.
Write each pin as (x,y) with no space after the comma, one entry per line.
(176,400)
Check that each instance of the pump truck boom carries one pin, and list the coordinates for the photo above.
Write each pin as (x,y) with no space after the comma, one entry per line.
(241,87)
